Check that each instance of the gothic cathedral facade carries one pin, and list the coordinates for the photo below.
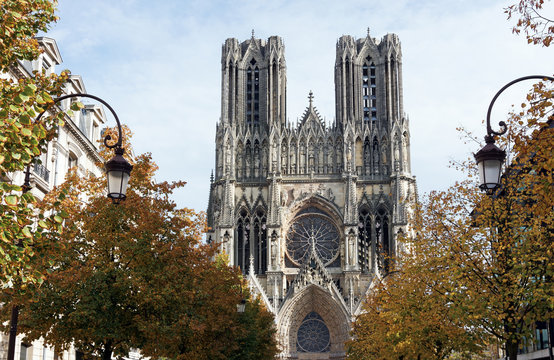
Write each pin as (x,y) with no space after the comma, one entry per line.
(311,211)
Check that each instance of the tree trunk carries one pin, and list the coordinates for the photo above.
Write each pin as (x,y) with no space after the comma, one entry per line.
(511,349)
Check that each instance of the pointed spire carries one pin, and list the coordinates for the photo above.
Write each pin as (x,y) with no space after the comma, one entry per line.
(252,33)
(212,177)
(368,31)
(311,98)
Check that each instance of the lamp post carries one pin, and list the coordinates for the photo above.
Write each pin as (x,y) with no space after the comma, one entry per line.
(118,171)
(490,158)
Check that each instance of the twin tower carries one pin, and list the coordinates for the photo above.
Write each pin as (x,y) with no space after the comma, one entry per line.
(311,212)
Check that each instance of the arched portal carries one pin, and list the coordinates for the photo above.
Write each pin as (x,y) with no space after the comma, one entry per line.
(315,312)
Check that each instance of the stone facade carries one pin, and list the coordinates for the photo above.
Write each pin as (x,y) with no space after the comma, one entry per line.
(311,211)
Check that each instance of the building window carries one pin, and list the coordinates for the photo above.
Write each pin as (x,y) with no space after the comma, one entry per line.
(72,160)
(253,94)
(260,242)
(313,229)
(24,351)
(313,335)
(242,255)
(369,86)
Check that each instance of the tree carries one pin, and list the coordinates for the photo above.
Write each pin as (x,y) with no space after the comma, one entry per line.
(22,139)
(408,315)
(200,318)
(538,29)
(134,275)
(499,248)
(256,341)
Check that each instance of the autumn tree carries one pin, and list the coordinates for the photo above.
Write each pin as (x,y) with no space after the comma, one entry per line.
(22,139)
(407,315)
(136,275)
(499,247)
(256,339)
(538,28)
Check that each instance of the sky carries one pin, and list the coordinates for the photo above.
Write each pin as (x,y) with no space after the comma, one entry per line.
(158,64)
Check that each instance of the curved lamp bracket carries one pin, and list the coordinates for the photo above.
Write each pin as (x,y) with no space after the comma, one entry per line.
(503,128)
(108,137)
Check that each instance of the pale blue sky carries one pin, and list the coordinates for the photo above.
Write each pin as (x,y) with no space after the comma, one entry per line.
(158,64)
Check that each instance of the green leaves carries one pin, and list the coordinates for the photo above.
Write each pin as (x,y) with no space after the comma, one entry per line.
(11,200)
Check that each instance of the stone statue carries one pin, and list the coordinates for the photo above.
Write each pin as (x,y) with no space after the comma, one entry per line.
(351,249)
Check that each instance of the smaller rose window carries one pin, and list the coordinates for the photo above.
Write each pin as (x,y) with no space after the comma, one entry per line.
(313,335)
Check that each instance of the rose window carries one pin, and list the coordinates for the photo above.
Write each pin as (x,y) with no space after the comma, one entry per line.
(313,335)
(313,230)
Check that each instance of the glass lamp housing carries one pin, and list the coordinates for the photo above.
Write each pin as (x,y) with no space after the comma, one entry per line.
(118,171)
(489,162)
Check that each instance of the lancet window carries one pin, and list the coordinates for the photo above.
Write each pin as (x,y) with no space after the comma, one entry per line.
(373,239)
(242,253)
(253,94)
(251,235)
(259,236)
(369,90)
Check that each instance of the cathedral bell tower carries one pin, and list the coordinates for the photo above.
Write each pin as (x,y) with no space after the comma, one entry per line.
(311,212)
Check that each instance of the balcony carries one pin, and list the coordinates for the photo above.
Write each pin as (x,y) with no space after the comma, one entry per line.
(41,171)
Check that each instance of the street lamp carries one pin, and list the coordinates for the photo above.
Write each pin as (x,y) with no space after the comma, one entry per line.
(241,306)
(491,158)
(118,171)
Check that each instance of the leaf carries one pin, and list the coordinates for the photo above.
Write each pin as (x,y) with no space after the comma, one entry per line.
(12,200)
(27,232)
(76,106)
(58,219)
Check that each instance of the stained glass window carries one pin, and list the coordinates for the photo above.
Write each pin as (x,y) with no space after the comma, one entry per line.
(313,229)
(313,335)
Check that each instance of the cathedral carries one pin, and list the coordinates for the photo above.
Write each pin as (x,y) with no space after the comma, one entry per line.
(310,211)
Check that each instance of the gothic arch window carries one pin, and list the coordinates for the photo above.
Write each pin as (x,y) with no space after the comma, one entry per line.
(369,90)
(253,94)
(382,238)
(259,236)
(242,253)
(230,92)
(313,335)
(364,240)
(313,229)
